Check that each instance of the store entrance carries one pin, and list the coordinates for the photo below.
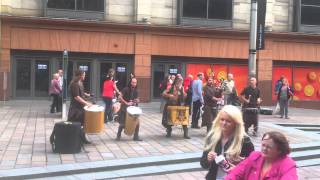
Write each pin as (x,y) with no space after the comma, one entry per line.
(32,78)
(159,72)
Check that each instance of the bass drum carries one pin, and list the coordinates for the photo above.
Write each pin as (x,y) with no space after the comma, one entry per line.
(94,119)
(132,119)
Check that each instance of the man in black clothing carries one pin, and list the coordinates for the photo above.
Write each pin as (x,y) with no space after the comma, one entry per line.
(128,97)
(251,101)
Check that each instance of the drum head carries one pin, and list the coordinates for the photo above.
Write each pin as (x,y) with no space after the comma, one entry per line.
(94,108)
(134,110)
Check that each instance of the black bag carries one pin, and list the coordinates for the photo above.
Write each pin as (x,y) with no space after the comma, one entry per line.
(66,137)
(266,111)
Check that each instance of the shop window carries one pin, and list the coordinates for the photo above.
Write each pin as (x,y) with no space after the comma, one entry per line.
(209,9)
(216,13)
(76,9)
(308,12)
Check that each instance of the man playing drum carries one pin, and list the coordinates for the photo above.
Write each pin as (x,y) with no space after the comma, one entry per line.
(174,96)
(128,97)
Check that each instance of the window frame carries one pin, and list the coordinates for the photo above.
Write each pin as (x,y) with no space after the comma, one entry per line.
(192,21)
(74,13)
(304,27)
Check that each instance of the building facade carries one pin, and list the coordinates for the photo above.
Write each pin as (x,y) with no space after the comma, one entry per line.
(155,38)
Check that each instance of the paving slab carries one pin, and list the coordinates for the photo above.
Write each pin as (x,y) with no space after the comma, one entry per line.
(26,126)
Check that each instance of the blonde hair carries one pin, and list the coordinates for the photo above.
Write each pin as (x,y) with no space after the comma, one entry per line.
(215,133)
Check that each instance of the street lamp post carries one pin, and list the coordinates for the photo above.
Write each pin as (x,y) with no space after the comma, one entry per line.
(64,88)
(253,39)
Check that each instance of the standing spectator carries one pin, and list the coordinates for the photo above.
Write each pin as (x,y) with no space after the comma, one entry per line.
(251,101)
(284,94)
(175,97)
(61,83)
(211,95)
(272,162)
(187,85)
(228,87)
(197,100)
(227,138)
(77,96)
(109,87)
(55,91)
(276,92)
(278,85)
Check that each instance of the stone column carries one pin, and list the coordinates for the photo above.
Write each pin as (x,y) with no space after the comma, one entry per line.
(264,72)
(143,11)
(142,64)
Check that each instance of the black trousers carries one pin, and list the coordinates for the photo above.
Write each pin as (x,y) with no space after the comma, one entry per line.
(108,109)
(136,131)
(55,101)
(250,118)
(196,113)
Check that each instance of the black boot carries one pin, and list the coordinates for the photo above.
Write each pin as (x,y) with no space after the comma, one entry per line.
(52,109)
(169,130)
(84,138)
(136,133)
(185,132)
(119,133)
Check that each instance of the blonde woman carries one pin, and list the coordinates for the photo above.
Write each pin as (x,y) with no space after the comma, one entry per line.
(226,139)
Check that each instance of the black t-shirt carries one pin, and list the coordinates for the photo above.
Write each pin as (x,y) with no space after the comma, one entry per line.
(76,89)
(255,94)
(128,94)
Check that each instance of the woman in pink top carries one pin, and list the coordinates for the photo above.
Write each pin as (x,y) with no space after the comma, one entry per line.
(272,163)
(54,91)
(109,86)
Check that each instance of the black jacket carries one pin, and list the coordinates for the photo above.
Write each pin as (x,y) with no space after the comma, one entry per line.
(247,148)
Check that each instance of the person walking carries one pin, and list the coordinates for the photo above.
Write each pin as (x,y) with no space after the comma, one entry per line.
(109,87)
(197,100)
(226,140)
(284,94)
(61,84)
(251,100)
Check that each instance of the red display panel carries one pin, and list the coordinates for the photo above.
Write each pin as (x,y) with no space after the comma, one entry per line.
(286,71)
(306,83)
(219,70)
(240,76)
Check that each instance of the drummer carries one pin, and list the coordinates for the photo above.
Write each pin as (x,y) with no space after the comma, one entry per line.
(211,95)
(78,100)
(174,97)
(128,97)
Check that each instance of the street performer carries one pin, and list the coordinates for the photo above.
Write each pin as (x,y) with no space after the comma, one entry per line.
(78,100)
(211,95)
(174,96)
(128,97)
(251,100)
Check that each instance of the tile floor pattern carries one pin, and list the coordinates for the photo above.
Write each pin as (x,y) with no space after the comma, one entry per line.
(25,128)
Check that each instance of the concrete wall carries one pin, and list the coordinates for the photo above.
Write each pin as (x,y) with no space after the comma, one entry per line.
(22,7)
(279,12)
(120,11)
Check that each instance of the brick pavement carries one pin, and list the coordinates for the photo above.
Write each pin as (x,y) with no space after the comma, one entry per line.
(25,128)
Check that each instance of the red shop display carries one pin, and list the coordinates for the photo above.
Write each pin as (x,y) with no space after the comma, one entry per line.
(240,76)
(306,83)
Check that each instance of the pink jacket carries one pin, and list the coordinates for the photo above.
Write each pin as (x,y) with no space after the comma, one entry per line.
(250,169)
(55,87)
